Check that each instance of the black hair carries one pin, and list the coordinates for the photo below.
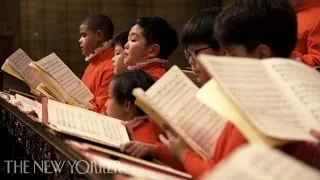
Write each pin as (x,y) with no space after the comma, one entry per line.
(253,22)
(126,81)
(199,29)
(120,39)
(101,22)
(157,30)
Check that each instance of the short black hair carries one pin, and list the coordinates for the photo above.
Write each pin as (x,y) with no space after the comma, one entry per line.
(157,30)
(126,81)
(120,39)
(254,22)
(98,21)
(199,29)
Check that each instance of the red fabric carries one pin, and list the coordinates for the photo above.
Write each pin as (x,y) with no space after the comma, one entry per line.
(156,70)
(308,44)
(149,132)
(97,77)
(229,140)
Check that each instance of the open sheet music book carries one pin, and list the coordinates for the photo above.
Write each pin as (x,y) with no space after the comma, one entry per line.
(138,167)
(271,101)
(50,77)
(172,102)
(258,162)
(84,124)
(17,65)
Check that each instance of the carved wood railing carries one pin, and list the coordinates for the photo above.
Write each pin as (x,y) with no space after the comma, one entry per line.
(39,144)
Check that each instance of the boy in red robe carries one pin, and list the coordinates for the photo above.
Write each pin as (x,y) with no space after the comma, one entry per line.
(151,41)
(118,42)
(96,31)
(143,130)
(248,28)
(197,38)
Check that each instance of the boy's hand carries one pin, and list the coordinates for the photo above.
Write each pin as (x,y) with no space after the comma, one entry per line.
(175,144)
(317,135)
(139,149)
(129,130)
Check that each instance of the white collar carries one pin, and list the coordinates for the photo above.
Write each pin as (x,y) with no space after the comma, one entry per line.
(135,122)
(97,51)
(149,61)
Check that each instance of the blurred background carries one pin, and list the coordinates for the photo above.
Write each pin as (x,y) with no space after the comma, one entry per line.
(41,27)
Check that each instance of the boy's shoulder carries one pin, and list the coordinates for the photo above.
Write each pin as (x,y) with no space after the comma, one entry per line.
(106,55)
(102,62)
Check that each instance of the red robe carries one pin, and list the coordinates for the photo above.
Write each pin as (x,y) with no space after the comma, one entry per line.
(308,44)
(149,132)
(229,140)
(155,69)
(97,77)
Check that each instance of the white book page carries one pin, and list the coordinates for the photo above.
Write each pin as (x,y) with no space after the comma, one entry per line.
(302,84)
(54,66)
(255,162)
(174,95)
(87,124)
(258,95)
(124,167)
(20,61)
(229,110)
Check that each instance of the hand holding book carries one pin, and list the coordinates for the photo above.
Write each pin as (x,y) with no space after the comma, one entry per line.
(171,102)
(174,143)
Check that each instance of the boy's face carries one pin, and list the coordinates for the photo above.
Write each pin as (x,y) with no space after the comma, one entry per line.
(192,51)
(136,49)
(88,40)
(118,59)
(114,109)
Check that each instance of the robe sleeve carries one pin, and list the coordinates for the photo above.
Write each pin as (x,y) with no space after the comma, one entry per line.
(313,47)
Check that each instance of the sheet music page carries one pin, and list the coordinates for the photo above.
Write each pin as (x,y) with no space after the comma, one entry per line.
(258,95)
(53,65)
(87,124)
(20,61)
(29,105)
(6,67)
(256,162)
(301,83)
(130,169)
(174,95)
(223,105)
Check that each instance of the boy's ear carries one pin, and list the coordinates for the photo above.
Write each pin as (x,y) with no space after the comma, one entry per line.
(100,36)
(154,51)
(127,106)
(262,51)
